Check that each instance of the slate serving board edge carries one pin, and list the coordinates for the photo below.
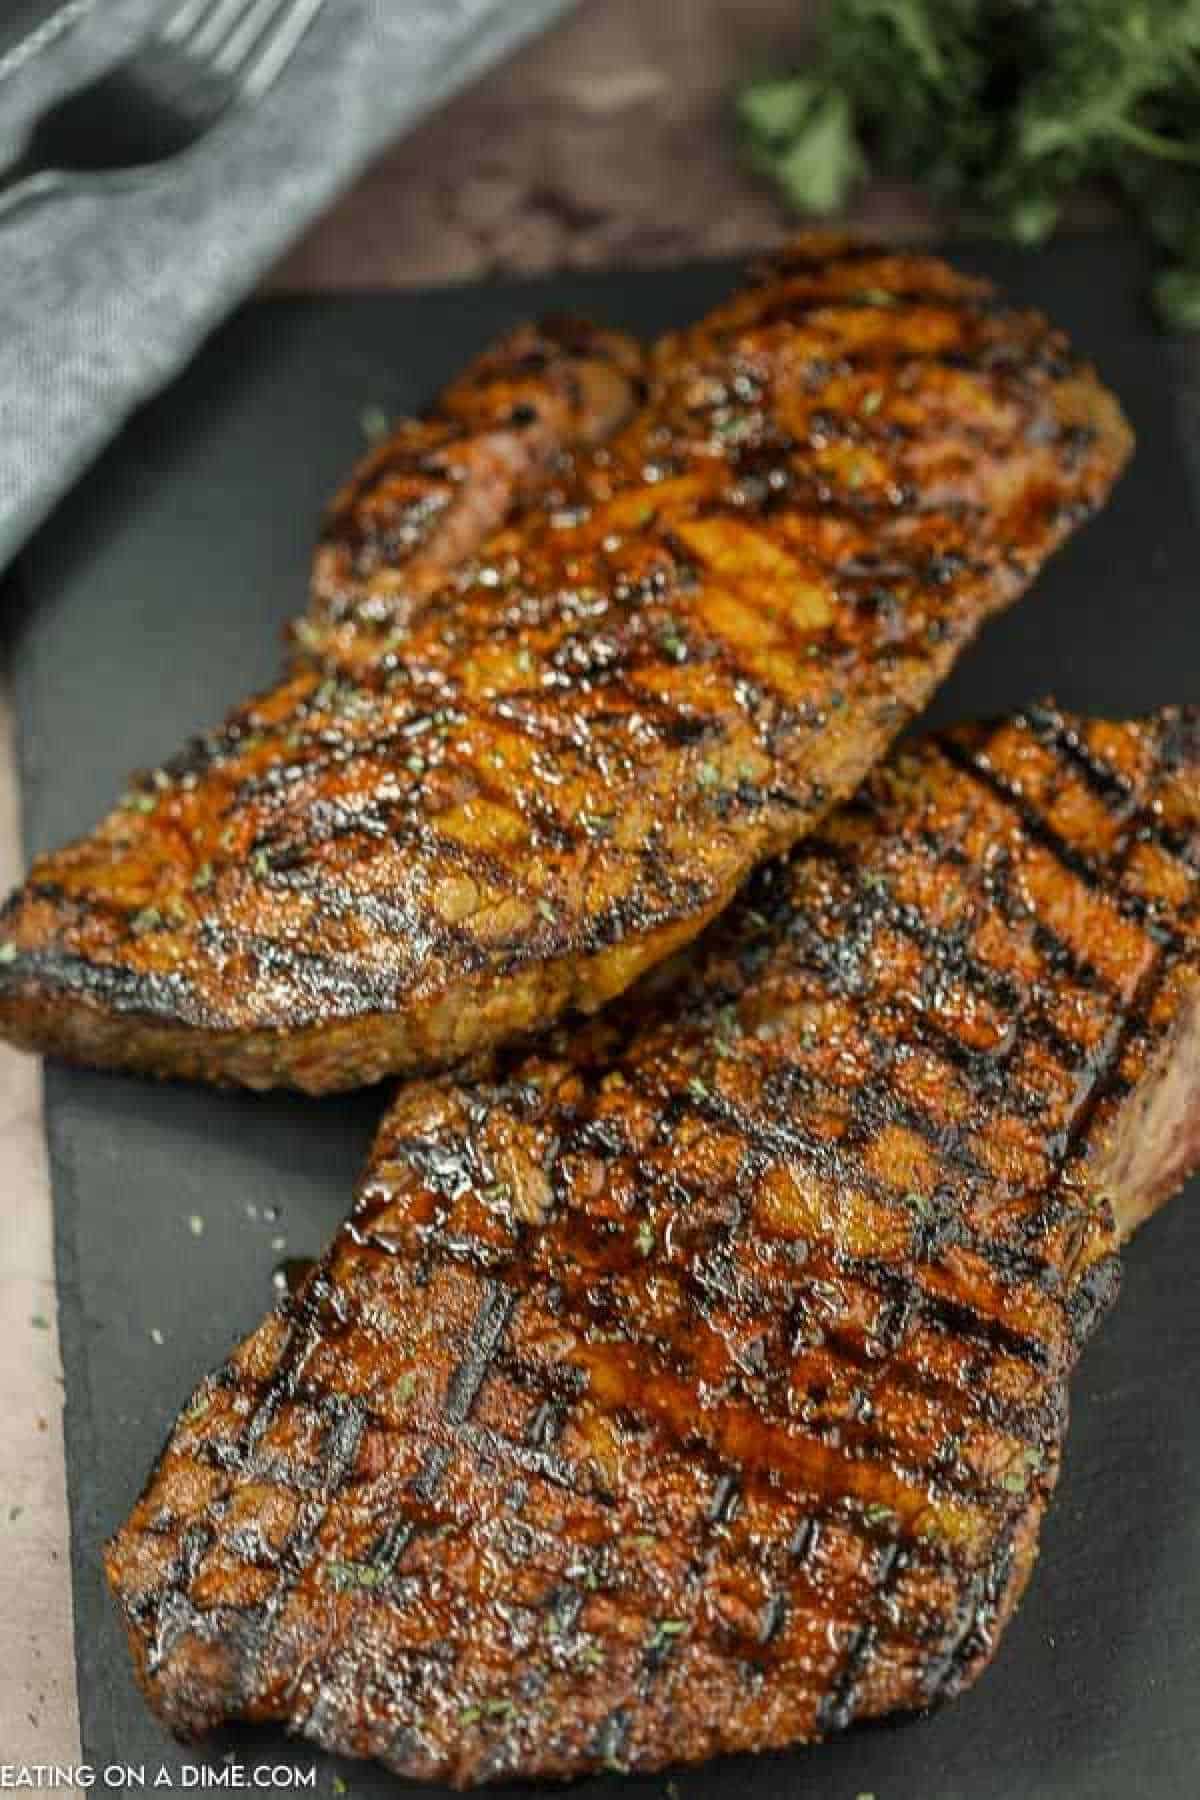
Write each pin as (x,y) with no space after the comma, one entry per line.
(106,1132)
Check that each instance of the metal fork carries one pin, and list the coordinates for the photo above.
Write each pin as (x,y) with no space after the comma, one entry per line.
(203,60)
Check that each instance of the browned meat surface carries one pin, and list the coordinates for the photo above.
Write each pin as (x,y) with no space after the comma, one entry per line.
(699,1383)
(563,764)
(425,499)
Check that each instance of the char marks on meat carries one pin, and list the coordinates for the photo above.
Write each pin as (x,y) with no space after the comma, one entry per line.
(425,498)
(437,835)
(698,1382)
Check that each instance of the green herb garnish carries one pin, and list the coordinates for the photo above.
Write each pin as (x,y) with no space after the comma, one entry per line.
(727,1025)
(1005,109)
(374,423)
(345,1575)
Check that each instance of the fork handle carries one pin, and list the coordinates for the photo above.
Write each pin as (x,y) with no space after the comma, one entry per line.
(25,181)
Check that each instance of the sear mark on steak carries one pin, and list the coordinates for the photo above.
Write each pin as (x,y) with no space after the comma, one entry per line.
(434,837)
(698,1382)
(425,498)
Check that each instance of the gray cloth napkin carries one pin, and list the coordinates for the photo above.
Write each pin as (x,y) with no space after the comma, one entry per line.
(105,294)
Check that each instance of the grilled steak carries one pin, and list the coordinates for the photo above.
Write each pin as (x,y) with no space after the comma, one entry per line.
(425,499)
(698,1383)
(566,760)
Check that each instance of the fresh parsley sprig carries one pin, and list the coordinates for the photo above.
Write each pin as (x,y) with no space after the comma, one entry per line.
(1004,107)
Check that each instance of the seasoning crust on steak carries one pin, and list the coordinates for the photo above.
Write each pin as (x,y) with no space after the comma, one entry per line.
(699,1383)
(441,834)
(425,498)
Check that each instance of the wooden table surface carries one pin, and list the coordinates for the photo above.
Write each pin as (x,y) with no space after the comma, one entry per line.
(607,142)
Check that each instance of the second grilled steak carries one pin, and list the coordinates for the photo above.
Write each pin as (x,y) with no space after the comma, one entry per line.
(699,1384)
(568,758)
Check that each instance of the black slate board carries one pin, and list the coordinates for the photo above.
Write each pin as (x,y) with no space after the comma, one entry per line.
(153,600)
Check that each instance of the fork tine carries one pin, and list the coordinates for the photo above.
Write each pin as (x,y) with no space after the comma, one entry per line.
(279,43)
(222,17)
(247,33)
(184,19)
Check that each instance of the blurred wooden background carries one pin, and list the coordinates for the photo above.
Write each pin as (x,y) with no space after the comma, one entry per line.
(609,141)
